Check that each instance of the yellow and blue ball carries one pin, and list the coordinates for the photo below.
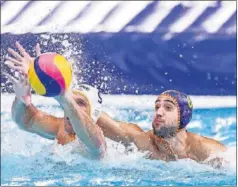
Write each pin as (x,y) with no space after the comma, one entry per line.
(50,74)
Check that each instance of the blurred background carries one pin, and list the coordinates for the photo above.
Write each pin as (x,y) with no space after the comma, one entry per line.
(134,47)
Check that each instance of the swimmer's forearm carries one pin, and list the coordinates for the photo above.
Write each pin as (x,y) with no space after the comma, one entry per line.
(113,130)
(19,113)
(88,132)
(30,119)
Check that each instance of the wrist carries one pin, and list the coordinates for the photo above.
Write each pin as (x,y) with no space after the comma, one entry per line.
(64,96)
(26,100)
(63,100)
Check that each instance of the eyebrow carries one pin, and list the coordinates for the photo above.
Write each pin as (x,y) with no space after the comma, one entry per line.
(166,100)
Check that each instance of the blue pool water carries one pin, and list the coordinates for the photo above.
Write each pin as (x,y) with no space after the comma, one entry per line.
(27,159)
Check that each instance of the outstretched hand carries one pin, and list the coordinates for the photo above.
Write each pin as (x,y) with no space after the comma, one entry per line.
(21,63)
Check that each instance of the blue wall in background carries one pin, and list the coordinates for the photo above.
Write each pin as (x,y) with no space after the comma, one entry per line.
(143,63)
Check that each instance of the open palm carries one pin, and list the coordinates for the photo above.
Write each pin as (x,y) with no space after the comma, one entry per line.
(21,63)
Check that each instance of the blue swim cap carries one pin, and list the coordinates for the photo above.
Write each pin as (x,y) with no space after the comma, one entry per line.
(185,106)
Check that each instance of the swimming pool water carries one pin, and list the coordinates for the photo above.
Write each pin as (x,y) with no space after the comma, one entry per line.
(28,159)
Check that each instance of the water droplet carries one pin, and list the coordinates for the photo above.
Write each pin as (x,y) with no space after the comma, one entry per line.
(105,78)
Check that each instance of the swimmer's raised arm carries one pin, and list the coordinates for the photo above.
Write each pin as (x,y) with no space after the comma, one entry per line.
(78,113)
(118,131)
(27,116)
(115,130)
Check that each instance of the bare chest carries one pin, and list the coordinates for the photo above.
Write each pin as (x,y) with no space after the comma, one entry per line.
(159,149)
(161,153)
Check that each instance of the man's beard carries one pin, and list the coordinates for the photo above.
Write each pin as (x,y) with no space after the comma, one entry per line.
(165,132)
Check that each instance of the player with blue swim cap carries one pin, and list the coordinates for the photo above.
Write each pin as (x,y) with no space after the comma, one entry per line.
(185,106)
(168,140)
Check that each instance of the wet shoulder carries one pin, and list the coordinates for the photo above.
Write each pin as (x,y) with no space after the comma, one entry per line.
(203,146)
(202,139)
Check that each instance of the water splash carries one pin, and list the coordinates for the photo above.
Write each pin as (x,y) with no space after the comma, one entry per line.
(46,162)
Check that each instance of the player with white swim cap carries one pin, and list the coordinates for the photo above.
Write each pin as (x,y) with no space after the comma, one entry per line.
(169,139)
(80,112)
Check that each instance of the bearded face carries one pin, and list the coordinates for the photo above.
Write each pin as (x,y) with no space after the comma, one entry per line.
(165,119)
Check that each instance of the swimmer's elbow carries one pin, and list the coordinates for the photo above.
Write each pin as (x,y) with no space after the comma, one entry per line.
(18,118)
(25,122)
(99,145)
(20,114)
(99,152)
(24,119)
(16,113)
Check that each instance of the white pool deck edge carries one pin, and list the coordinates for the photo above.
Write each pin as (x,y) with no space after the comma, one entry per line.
(137,101)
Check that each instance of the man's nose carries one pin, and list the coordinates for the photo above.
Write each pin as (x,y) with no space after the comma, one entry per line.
(160,112)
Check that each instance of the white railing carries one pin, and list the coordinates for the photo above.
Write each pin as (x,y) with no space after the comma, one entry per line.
(115,16)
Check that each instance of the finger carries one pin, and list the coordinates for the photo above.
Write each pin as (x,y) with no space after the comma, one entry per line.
(15,54)
(12,66)
(22,50)
(11,78)
(38,49)
(13,60)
